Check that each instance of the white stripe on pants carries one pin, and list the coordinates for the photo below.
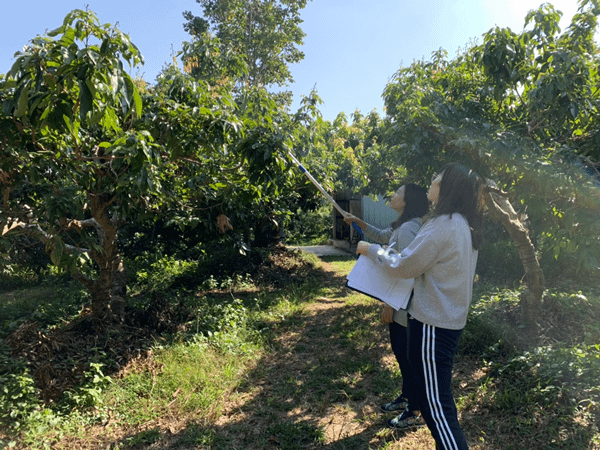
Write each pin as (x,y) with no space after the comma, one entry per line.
(431,387)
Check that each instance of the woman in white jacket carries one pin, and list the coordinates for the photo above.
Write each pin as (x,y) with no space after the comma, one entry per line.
(410,202)
(442,260)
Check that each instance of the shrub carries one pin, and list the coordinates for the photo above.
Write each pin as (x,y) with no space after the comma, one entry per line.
(309,227)
(18,395)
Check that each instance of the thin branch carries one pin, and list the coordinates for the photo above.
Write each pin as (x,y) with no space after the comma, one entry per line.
(34,230)
(491,187)
(209,207)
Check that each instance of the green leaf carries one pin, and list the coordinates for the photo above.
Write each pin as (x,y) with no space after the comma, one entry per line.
(125,85)
(56,31)
(86,100)
(23,102)
(96,117)
(68,37)
(137,100)
(111,121)
(68,123)
(46,112)
(55,256)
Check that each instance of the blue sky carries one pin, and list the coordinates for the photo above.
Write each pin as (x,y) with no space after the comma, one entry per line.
(352,47)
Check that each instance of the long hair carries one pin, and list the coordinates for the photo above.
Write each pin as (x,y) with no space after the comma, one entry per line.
(461,191)
(416,204)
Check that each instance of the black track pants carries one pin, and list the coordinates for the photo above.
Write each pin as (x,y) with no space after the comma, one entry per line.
(431,355)
(399,341)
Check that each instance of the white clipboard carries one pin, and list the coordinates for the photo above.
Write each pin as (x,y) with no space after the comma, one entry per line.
(370,279)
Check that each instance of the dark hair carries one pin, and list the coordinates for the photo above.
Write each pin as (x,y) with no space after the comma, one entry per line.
(461,191)
(415,198)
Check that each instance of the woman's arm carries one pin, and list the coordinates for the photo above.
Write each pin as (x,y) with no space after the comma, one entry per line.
(420,255)
(374,234)
(361,223)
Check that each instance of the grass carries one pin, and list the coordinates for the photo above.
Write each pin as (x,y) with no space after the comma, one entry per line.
(306,366)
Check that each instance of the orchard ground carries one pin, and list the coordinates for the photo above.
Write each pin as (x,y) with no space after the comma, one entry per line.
(308,372)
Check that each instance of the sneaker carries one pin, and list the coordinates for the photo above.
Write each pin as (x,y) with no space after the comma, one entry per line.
(406,420)
(400,404)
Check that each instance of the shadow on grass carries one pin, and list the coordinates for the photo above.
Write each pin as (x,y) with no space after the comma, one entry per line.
(329,369)
(320,387)
(52,332)
(45,304)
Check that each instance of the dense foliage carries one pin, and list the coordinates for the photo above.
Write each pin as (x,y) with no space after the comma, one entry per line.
(264,33)
(88,152)
(520,108)
(95,164)
(186,184)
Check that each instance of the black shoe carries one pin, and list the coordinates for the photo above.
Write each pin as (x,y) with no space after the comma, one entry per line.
(406,421)
(400,404)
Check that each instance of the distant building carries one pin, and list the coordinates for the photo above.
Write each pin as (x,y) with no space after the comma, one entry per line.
(374,212)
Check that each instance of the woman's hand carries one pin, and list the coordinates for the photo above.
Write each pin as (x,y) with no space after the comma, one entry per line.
(387,315)
(349,218)
(362,248)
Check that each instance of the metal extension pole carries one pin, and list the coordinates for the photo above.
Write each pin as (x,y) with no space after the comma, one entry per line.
(324,192)
(316,183)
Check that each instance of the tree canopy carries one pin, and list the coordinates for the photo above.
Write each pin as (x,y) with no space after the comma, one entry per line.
(522,110)
(85,153)
(266,33)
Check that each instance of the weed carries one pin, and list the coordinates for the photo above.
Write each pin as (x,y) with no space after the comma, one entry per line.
(89,394)
(18,398)
(146,437)
(294,436)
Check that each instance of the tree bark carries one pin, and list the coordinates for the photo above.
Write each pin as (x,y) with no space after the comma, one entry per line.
(502,211)
(108,290)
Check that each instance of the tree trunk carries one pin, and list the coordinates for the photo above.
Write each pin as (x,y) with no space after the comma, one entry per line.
(108,291)
(501,210)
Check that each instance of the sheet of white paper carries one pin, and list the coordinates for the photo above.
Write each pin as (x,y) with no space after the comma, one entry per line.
(370,279)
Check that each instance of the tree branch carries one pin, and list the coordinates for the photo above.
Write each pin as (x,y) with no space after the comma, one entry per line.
(35,231)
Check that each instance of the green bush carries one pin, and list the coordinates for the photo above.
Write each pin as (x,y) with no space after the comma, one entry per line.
(18,394)
(89,394)
(574,369)
(549,376)
(484,335)
(161,274)
(309,227)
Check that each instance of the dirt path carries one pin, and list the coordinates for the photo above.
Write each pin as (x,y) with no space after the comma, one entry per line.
(321,375)
(320,386)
